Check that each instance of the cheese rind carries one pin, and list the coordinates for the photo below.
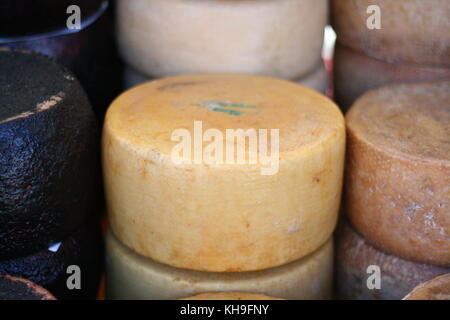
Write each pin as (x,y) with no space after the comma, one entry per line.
(354,255)
(12,288)
(355,73)
(131,276)
(276,38)
(398,170)
(230,296)
(49,175)
(180,213)
(51,267)
(316,80)
(434,289)
(412,31)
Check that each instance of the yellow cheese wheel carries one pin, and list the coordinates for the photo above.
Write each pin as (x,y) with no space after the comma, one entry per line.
(398,170)
(357,262)
(230,296)
(411,31)
(203,205)
(434,289)
(131,276)
(316,80)
(280,38)
(355,73)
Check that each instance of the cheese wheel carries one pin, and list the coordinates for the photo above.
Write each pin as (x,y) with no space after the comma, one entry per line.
(131,276)
(398,170)
(12,288)
(89,52)
(49,175)
(356,73)
(316,80)
(434,289)
(230,296)
(49,268)
(280,38)
(412,31)
(354,258)
(274,201)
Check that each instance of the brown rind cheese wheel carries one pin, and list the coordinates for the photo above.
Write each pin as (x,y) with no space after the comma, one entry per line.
(434,289)
(355,257)
(356,73)
(398,170)
(412,31)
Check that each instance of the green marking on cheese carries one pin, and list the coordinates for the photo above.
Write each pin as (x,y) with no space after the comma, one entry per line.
(234,109)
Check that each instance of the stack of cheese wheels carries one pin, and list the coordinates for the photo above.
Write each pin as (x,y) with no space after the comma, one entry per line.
(398,172)
(355,256)
(230,296)
(280,38)
(49,175)
(434,289)
(223,173)
(411,45)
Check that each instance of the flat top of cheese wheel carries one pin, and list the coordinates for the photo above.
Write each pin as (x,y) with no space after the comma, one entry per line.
(411,120)
(230,296)
(434,289)
(30,83)
(145,116)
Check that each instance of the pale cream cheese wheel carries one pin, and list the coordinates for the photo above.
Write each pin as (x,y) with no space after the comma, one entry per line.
(356,263)
(131,276)
(230,296)
(398,170)
(434,289)
(316,80)
(411,31)
(221,214)
(280,38)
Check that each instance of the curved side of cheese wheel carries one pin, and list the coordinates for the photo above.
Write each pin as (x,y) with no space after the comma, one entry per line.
(131,276)
(167,37)
(398,170)
(49,268)
(412,31)
(230,296)
(13,288)
(354,255)
(180,214)
(49,157)
(434,289)
(355,73)
(316,80)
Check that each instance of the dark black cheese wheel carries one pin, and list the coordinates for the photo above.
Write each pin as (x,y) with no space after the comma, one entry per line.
(89,53)
(49,172)
(49,267)
(12,288)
